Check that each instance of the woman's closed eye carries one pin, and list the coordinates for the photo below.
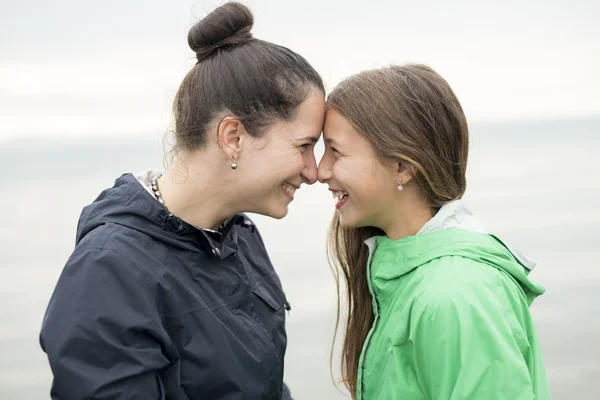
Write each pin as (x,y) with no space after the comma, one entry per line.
(305,146)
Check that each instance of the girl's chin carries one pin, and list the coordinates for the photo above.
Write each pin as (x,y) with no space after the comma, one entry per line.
(347,222)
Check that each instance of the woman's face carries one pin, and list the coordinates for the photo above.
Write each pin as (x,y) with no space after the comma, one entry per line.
(283,159)
(364,187)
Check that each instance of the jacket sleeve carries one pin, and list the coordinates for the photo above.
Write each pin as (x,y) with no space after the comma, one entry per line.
(285,393)
(100,331)
(464,347)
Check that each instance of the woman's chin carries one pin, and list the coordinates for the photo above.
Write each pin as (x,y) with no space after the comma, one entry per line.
(277,212)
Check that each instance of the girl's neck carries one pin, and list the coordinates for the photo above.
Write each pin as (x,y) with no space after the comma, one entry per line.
(410,213)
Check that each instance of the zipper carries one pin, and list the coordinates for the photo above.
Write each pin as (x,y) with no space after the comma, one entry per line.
(375,306)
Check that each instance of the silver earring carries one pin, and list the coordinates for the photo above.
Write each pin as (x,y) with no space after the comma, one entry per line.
(400,187)
(233,164)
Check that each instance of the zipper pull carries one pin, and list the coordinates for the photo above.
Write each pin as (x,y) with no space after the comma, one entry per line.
(287,307)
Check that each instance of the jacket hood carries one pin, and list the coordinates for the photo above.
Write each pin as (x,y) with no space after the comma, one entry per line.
(454,231)
(129,204)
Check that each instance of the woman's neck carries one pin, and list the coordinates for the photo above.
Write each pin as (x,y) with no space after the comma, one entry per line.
(194,192)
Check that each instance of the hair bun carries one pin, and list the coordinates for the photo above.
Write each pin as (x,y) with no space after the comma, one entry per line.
(227,26)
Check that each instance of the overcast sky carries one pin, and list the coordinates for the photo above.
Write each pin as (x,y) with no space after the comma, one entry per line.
(111,67)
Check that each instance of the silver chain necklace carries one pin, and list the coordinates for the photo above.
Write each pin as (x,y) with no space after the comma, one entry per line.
(157,194)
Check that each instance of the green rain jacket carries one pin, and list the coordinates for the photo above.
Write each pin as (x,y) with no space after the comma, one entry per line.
(452,317)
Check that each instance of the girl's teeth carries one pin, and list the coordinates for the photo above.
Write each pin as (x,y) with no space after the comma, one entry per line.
(339,195)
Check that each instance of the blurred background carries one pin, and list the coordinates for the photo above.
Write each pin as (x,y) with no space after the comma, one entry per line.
(85,95)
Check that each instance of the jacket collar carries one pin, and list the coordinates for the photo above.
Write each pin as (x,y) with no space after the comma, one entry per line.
(129,203)
(453,215)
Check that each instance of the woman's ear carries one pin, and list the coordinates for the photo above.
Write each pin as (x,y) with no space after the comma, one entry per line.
(230,136)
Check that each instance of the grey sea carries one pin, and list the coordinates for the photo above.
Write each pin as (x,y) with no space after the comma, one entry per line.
(535,184)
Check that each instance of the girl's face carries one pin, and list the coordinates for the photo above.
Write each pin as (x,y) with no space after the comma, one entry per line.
(364,187)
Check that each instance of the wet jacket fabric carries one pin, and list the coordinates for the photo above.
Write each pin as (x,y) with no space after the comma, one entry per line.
(452,318)
(150,307)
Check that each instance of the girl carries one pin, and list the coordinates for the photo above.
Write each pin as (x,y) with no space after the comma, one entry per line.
(438,307)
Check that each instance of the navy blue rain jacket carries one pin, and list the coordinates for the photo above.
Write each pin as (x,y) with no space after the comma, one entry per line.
(149,307)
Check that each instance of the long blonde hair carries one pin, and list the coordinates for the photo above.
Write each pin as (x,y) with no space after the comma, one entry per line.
(407,113)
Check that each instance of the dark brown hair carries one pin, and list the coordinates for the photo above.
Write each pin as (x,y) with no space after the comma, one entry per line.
(407,113)
(257,81)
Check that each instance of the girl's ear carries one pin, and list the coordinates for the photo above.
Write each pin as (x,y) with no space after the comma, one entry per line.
(405,172)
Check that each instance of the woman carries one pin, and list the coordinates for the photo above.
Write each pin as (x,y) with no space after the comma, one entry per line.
(438,308)
(169,293)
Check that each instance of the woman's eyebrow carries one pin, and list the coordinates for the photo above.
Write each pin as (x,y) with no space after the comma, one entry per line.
(312,139)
